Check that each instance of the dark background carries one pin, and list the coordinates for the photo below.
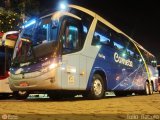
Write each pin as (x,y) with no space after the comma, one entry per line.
(140,19)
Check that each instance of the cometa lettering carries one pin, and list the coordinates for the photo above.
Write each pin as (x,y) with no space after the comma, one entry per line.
(121,60)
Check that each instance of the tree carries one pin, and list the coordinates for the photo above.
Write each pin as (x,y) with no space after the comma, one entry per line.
(29,7)
(9,20)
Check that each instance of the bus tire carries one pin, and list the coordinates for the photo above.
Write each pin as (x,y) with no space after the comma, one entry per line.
(20,95)
(151,88)
(97,88)
(147,88)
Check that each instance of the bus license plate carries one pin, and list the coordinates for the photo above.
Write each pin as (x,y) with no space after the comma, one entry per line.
(23,84)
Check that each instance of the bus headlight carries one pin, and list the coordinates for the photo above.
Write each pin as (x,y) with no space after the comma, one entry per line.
(52,66)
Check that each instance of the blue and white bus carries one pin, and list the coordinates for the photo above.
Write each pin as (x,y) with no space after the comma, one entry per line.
(75,51)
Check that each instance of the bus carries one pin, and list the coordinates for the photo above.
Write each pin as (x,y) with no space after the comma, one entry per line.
(7,42)
(75,51)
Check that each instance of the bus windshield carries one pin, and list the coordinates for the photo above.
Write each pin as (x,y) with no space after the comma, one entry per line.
(36,41)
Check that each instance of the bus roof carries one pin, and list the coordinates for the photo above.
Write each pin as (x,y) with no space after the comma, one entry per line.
(108,24)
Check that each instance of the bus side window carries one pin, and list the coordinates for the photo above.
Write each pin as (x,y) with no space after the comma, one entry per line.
(130,47)
(86,21)
(110,43)
(71,37)
(101,35)
(153,61)
(118,42)
(96,40)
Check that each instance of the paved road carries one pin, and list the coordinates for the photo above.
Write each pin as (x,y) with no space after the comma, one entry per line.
(130,107)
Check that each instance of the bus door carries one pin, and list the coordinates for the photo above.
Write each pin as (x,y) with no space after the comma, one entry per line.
(70,43)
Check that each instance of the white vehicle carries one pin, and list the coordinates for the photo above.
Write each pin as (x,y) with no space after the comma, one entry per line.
(75,51)
(7,43)
(158,67)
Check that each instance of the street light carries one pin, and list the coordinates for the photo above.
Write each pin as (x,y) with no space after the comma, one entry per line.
(63,6)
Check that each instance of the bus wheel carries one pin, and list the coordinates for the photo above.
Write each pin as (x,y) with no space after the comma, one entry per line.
(20,95)
(151,88)
(97,88)
(147,89)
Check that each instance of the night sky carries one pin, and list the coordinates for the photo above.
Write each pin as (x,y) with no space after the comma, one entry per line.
(140,19)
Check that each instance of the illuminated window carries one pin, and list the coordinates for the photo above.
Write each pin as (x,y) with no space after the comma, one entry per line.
(101,35)
(70,39)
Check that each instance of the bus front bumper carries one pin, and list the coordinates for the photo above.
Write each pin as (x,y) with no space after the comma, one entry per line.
(34,81)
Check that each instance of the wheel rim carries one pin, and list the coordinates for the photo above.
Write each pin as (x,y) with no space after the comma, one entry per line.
(97,87)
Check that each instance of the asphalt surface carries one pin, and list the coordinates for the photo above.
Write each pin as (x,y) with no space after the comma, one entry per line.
(111,107)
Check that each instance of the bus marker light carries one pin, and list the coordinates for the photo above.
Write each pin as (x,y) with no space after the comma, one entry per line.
(71,69)
(140,60)
(23,84)
(63,68)
(82,73)
(52,66)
